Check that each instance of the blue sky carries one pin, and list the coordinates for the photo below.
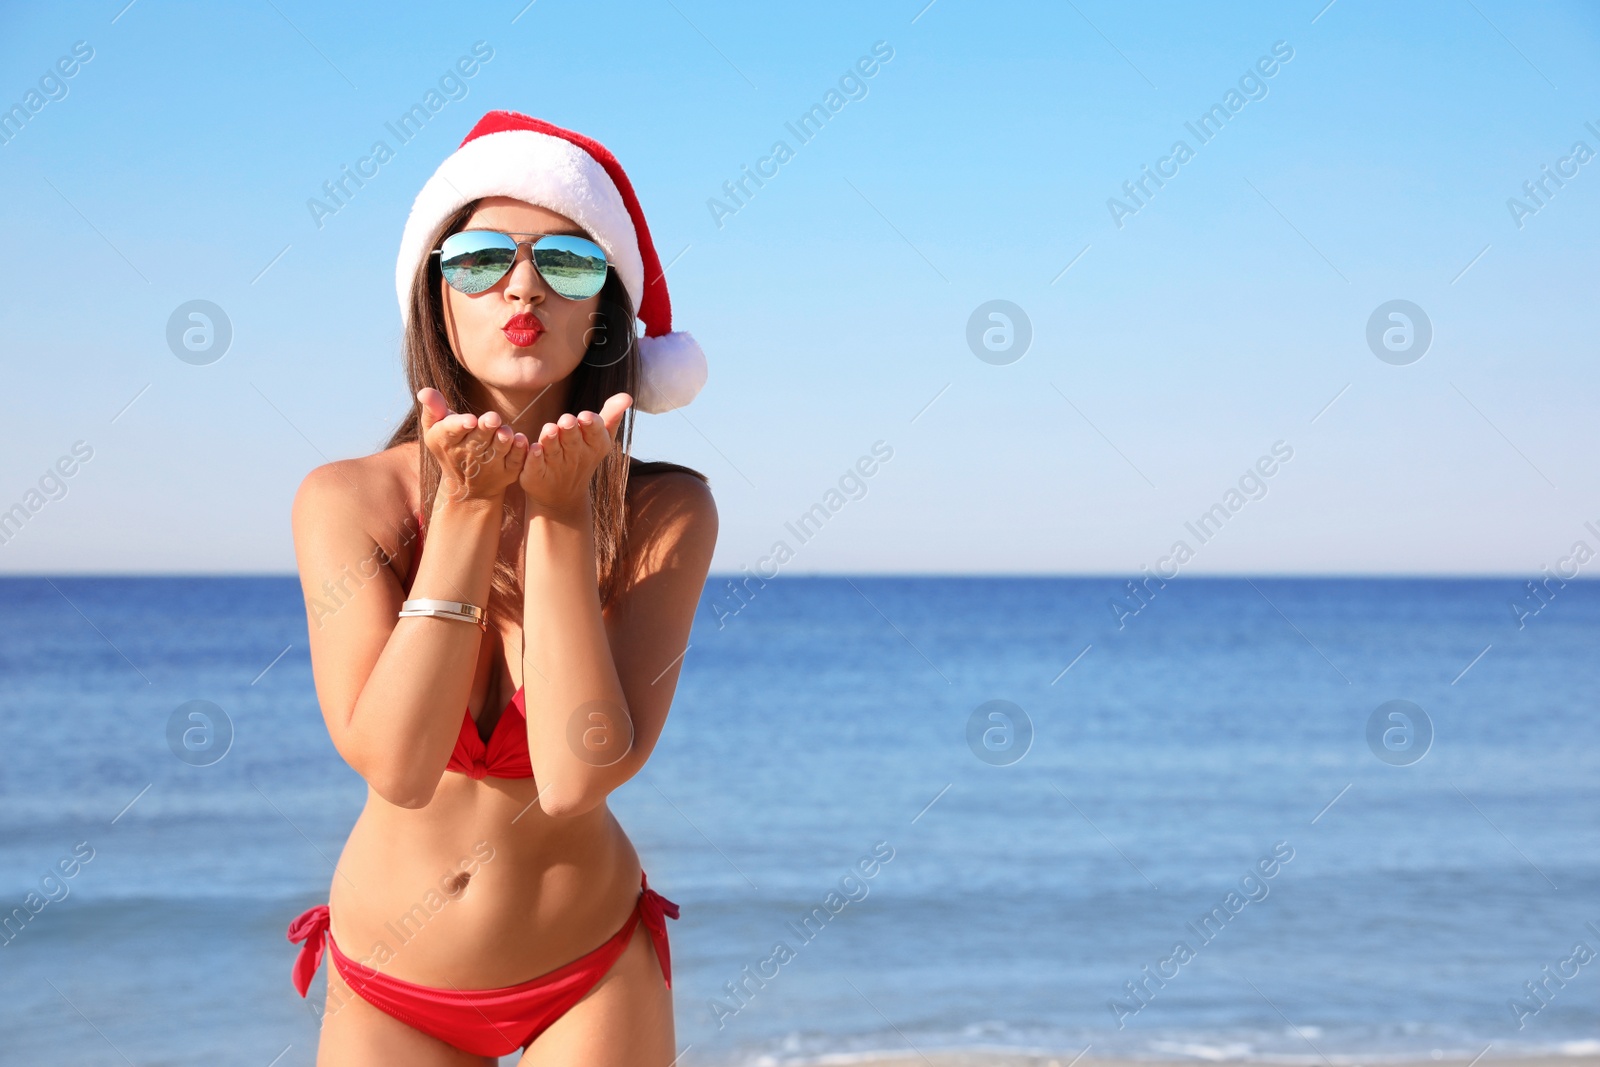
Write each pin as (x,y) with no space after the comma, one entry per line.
(1168,355)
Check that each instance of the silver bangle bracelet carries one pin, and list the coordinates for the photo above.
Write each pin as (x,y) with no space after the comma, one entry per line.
(445,609)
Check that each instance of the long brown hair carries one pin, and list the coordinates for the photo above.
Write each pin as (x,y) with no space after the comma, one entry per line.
(430,361)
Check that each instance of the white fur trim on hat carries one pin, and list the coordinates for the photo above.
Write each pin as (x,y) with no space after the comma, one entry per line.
(536,167)
(672,371)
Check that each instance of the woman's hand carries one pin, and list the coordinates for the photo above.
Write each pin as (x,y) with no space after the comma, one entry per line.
(562,461)
(478,457)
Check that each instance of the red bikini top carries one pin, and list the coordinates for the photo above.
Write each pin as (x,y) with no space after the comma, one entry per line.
(505,753)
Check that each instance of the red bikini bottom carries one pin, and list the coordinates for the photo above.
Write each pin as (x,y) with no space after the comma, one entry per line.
(485,1022)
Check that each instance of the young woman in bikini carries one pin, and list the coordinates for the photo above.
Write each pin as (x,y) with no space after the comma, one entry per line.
(495,687)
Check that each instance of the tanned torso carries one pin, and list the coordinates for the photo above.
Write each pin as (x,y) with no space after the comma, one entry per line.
(479,888)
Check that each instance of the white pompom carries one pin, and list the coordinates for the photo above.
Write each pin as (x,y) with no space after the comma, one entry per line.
(672,371)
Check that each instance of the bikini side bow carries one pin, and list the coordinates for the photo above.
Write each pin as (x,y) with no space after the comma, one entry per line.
(310,927)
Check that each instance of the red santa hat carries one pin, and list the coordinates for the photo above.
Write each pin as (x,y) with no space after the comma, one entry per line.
(509,154)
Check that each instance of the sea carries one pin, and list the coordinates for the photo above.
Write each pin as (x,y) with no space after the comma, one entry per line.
(1299,821)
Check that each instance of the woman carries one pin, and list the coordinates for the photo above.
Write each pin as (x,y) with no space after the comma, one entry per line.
(487,899)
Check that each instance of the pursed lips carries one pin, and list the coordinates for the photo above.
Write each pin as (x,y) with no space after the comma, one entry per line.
(523,330)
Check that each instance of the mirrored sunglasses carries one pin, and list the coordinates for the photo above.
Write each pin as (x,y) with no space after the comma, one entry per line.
(472,261)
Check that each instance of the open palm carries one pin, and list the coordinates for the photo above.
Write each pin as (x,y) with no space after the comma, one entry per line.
(561,462)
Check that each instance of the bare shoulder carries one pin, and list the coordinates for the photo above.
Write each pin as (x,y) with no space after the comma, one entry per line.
(367,484)
(672,518)
(368,499)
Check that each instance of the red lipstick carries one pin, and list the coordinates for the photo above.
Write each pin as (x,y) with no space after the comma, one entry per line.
(522,330)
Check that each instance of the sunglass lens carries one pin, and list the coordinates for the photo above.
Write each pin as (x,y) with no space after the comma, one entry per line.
(573,266)
(473,260)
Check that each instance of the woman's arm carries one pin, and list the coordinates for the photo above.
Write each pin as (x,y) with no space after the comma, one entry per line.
(598,687)
(392,690)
